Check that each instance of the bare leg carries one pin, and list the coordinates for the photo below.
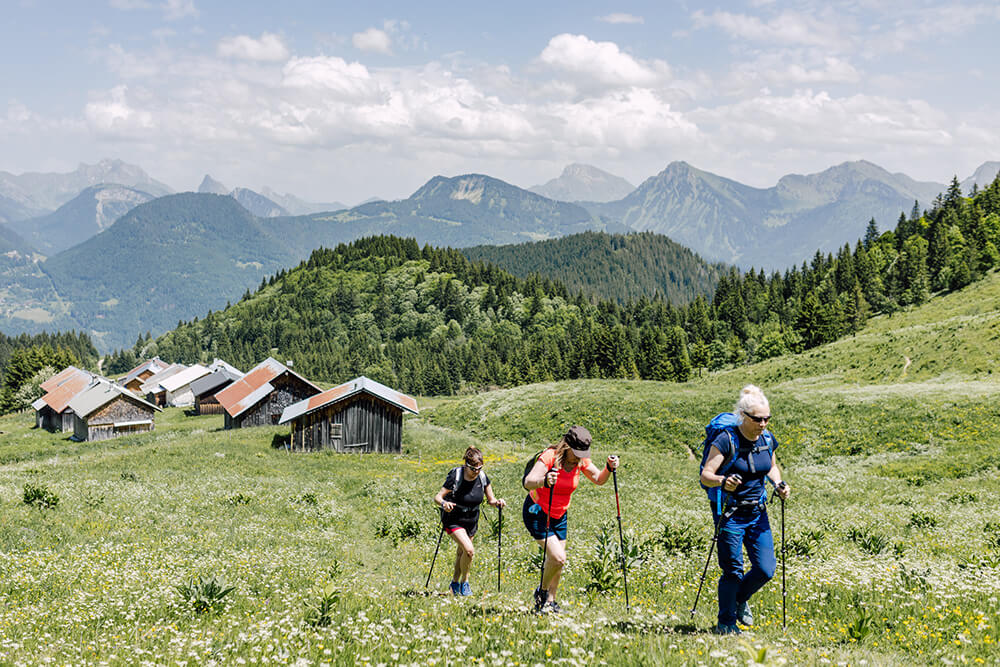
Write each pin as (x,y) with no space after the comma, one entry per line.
(555,560)
(463,555)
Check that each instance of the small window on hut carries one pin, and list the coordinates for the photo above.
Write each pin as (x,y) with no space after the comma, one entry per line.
(336,430)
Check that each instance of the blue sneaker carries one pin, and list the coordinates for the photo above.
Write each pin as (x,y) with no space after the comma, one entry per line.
(456,588)
(466,588)
(721,629)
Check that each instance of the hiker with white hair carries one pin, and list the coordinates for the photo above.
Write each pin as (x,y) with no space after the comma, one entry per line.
(739,454)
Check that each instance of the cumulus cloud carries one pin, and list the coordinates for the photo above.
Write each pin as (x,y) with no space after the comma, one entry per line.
(601,62)
(373,40)
(621,18)
(268,48)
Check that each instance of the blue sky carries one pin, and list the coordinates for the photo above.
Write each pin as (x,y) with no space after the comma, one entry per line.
(346,100)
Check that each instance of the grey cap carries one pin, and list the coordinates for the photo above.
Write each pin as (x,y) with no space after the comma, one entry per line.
(578,438)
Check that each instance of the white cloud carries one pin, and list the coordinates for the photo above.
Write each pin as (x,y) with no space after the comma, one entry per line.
(116,117)
(621,18)
(268,48)
(601,62)
(130,4)
(786,28)
(178,9)
(373,40)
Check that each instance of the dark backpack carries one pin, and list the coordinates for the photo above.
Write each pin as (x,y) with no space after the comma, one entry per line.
(723,422)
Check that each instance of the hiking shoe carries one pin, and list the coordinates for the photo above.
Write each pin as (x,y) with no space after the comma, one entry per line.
(745,616)
(466,588)
(721,629)
(551,607)
(541,595)
(456,588)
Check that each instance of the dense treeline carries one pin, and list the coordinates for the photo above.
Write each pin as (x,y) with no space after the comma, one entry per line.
(27,361)
(427,320)
(611,266)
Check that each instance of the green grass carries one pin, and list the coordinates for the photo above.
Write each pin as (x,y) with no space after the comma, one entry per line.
(893,539)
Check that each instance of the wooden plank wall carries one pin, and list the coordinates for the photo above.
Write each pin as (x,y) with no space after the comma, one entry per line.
(368,425)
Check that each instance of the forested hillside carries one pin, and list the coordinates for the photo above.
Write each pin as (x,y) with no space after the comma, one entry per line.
(429,321)
(611,266)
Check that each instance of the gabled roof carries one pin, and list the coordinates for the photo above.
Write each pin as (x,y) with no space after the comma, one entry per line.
(185,377)
(152,383)
(243,394)
(346,390)
(97,396)
(211,383)
(58,399)
(59,377)
(154,365)
(220,365)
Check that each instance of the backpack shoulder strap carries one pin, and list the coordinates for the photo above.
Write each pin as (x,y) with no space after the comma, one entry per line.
(458,479)
(729,457)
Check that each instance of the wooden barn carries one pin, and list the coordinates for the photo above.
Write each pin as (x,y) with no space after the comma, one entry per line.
(260,396)
(105,411)
(357,416)
(52,411)
(135,377)
(153,389)
(205,388)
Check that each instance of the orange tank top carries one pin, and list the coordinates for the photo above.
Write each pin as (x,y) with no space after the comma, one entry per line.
(565,486)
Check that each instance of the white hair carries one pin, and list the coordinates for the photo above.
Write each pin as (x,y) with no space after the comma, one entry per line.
(751,396)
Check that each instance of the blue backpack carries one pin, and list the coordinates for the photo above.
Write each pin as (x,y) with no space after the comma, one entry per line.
(723,422)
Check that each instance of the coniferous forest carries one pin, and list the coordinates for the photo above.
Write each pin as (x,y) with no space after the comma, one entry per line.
(429,321)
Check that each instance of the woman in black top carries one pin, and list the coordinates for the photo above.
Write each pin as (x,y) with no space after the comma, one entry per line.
(465,487)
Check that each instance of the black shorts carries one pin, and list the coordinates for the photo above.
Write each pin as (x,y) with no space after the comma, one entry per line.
(467,520)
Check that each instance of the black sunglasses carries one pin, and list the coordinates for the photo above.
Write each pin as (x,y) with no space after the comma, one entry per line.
(759,420)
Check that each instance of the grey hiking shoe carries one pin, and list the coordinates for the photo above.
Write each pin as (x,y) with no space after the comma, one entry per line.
(721,629)
(745,616)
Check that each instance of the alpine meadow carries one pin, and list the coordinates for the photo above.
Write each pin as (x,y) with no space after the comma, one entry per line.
(518,334)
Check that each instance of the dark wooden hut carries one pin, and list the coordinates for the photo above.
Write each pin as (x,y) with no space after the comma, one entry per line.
(134,379)
(105,410)
(259,397)
(205,388)
(357,416)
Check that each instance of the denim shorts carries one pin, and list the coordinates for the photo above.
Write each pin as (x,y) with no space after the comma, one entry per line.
(535,521)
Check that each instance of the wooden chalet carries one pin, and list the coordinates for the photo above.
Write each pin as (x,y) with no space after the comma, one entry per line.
(260,396)
(205,388)
(135,377)
(52,411)
(153,388)
(105,410)
(177,387)
(357,416)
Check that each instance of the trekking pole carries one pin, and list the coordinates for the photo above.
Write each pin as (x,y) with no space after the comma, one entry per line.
(545,542)
(499,542)
(621,538)
(711,548)
(784,591)
(440,535)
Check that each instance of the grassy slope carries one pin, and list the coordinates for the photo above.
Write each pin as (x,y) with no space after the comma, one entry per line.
(892,514)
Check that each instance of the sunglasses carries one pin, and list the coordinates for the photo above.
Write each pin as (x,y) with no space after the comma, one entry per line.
(756,419)
(473,468)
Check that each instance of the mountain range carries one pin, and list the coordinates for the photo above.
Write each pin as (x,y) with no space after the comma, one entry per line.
(177,256)
(581,182)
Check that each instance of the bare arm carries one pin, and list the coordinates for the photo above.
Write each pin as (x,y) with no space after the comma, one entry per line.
(536,478)
(491,499)
(774,474)
(710,476)
(599,477)
(444,504)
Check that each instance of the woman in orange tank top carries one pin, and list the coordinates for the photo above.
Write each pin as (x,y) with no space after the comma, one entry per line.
(550,485)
